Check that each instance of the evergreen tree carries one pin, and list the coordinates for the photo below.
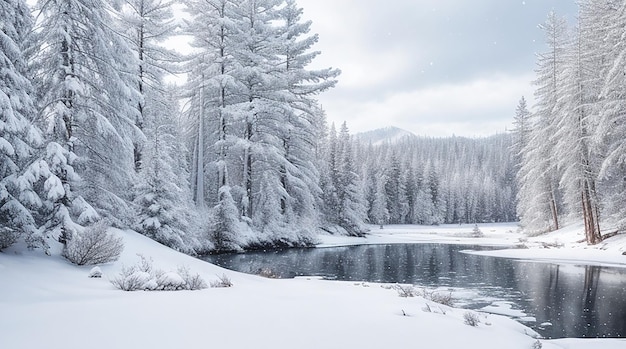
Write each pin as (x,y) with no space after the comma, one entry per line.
(20,163)
(163,195)
(351,210)
(540,200)
(379,211)
(612,118)
(88,102)
(147,24)
(521,131)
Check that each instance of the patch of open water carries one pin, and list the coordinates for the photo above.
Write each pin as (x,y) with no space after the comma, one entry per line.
(556,300)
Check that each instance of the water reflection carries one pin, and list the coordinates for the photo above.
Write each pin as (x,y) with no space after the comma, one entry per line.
(566,300)
(578,301)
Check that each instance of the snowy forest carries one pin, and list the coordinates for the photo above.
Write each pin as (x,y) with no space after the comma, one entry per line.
(570,152)
(241,156)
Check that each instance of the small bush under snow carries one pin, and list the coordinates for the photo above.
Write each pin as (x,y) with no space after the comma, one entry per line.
(405,290)
(131,279)
(471,318)
(170,281)
(192,281)
(143,276)
(95,272)
(222,281)
(94,246)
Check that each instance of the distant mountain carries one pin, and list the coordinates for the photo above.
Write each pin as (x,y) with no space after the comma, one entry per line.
(382,135)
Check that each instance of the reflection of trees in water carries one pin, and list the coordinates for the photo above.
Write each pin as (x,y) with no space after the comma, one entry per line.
(575,299)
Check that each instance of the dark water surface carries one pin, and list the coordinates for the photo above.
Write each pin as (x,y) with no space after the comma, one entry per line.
(564,300)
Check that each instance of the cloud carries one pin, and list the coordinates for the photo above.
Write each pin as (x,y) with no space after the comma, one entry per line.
(433,67)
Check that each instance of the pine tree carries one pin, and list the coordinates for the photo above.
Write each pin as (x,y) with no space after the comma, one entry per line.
(612,118)
(351,210)
(379,211)
(89,103)
(163,195)
(572,148)
(539,198)
(147,24)
(521,131)
(20,140)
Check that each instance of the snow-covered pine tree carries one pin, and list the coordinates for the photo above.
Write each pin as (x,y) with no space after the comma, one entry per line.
(611,128)
(539,200)
(213,92)
(574,112)
(225,230)
(379,211)
(19,138)
(299,176)
(163,195)
(396,193)
(351,210)
(521,130)
(89,102)
(147,24)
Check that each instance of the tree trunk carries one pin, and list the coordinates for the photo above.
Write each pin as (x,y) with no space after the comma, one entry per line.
(553,209)
(592,227)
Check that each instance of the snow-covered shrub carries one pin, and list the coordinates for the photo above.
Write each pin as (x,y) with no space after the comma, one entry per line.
(132,279)
(192,281)
(442,298)
(145,264)
(170,281)
(470,318)
(405,290)
(8,237)
(537,345)
(94,246)
(222,281)
(95,272)
(143,276)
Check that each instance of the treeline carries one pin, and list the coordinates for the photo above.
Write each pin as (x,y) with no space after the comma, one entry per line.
(570,150)
(419,180)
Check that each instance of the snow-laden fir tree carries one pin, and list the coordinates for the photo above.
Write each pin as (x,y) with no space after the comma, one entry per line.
(612,119)
(539,196)
(379,213)
(147,24)
(351,212)
(573,150)
(88,101)
(20,163)
(163,196)
(521,131)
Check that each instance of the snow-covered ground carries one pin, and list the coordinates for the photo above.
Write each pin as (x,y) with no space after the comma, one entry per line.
(46,302)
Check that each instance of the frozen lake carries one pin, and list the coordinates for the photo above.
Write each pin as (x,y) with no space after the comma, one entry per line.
(556,300)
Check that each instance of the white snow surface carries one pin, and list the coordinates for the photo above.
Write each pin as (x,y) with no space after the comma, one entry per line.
(46,302)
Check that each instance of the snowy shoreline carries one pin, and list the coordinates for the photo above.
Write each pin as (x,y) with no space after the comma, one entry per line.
(48,296)
(561,247)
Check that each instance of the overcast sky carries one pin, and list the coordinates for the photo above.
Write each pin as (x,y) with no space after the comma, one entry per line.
(433,67)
